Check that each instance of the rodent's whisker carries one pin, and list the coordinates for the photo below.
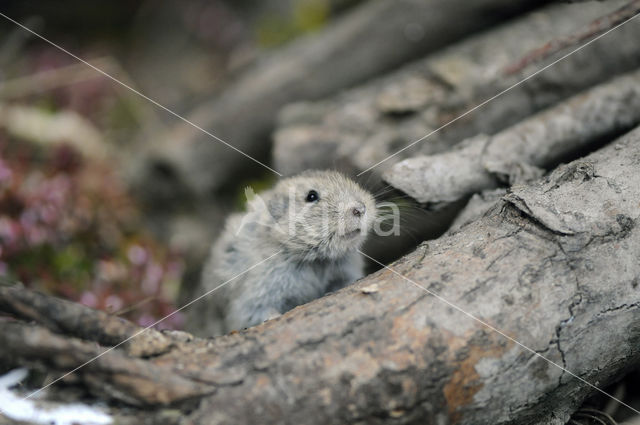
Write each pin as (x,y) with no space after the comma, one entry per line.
(384,192)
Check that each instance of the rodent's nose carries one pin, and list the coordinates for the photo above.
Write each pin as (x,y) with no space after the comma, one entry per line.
(358,210)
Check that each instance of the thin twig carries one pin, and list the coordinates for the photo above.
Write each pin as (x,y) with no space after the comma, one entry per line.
(596,28)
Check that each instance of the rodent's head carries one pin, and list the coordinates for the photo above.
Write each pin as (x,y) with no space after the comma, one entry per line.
(321,214)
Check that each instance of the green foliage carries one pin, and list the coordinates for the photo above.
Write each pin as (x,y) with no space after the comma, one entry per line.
(306,16)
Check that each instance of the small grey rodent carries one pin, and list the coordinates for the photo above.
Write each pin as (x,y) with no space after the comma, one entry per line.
(314,221)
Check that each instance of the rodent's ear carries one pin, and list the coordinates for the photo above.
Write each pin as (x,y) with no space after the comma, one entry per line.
(278,207)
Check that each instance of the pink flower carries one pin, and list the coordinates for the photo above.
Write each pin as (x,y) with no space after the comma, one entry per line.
(151,281)
(28,218)
(89,299)
(137,255)
(49,214)
(114,303)
(9,231)
(35,235)
(146,320)
(5,173)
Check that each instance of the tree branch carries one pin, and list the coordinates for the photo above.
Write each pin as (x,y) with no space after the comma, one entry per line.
(83,322)
(356,129)
(514,154)
(597,27)
(109,374)
(545,267)
(368,40)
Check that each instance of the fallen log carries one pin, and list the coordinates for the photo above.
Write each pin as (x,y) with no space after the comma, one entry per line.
(356,129)
(519,152)
(109,374)
(478,205)
(366,41)
(79,321)
(597,27)
(554,268)
(515,318)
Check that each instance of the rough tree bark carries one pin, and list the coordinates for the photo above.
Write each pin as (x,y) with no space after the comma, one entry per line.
(553,266)
(354,130)
(111,374)
(519,153)
(63,317)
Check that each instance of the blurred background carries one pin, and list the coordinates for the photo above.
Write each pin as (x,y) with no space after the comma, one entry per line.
(111,201)
(108,200)
(72,221)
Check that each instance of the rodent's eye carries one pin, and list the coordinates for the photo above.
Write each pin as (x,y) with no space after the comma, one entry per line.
(312,196)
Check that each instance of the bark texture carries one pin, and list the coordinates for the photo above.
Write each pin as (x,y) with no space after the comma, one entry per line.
(478,205)
(538,268)
(109,374)
(554,265)
(79,321)
(356,129)
(520,152)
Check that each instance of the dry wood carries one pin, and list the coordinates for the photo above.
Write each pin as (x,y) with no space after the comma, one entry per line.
(515,153)
(368,40)
(356,129)
(554,266)
(111,375)
(477,206)
(539,268)
(597,27)
(83,322)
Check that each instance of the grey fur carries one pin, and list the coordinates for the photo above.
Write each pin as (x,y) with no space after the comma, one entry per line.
(316,244)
